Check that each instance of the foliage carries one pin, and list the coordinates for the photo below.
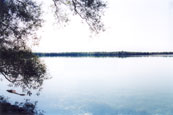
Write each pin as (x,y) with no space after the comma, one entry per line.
(88,10)
(18,21)
(22,68)
(25,108)
(20,18)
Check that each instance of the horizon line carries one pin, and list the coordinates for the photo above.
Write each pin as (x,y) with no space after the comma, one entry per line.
(120,54)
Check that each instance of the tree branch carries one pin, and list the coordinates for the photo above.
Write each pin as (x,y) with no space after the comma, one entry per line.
(7,77)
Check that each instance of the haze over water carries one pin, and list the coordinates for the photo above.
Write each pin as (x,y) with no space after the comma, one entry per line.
(106,86)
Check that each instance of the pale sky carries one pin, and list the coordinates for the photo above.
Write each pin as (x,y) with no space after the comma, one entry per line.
(131,25)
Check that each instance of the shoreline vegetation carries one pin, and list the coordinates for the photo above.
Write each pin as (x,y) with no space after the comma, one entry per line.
(23,108)
(119,54)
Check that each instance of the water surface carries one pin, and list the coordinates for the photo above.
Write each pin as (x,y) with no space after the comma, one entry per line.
(105,86)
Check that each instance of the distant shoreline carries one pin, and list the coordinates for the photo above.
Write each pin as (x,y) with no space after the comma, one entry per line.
(120,54)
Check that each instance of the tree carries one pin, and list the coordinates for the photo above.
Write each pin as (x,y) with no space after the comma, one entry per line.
(19,20)
(88,10)
(22,69)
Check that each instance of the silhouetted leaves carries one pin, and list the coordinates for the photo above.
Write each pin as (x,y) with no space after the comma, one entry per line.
(25,108)
(89,10)
(18,21)
(22,68)
(20,18)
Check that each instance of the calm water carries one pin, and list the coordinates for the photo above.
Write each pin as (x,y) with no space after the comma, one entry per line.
(105,86)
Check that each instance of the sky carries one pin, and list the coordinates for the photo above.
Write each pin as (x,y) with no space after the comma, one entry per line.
(131,25)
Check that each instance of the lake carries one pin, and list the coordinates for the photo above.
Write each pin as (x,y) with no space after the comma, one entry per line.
(104,86)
